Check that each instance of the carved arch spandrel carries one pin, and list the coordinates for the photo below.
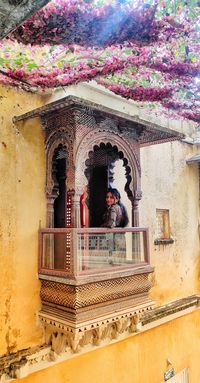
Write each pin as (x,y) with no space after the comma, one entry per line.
(63,131)
(96,138)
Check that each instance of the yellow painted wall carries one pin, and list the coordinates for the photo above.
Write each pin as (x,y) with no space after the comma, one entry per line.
(169,183)
(138,359)
(22,205)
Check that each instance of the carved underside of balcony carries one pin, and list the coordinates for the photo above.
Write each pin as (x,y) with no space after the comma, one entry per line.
(74,315)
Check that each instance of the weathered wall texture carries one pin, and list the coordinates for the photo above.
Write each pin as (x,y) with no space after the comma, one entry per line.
(169,183)
(139,359)
(22,205)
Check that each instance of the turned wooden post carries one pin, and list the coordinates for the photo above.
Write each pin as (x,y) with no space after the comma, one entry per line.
(135,207)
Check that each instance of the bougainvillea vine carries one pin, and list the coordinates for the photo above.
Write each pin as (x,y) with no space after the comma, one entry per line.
(143,50)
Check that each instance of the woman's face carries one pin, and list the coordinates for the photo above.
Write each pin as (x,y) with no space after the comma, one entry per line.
(110,199)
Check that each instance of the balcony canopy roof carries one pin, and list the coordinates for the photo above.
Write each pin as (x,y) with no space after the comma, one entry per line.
(147,133)
(194,159)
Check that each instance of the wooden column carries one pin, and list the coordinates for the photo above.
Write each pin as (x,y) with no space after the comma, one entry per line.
(49,242)
(135,207)
(76,217)
(50,210)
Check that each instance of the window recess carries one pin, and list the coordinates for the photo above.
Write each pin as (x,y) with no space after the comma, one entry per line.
(162,227)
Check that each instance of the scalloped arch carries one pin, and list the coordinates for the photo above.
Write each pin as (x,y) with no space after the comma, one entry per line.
(57,138)
(96,138)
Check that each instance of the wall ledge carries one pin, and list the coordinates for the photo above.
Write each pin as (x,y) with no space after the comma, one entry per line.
(171,308)
(166,241)
(25,362)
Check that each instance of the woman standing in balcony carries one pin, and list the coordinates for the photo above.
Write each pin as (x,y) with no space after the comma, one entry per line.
(115,214)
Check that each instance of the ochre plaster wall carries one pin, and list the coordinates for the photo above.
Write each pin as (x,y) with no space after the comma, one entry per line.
(22,206)
(169,183)
(138,359)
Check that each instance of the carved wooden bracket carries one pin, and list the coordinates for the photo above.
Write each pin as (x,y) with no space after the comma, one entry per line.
(63,338)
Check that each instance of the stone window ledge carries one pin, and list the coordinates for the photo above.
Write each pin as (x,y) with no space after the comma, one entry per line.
(164,241)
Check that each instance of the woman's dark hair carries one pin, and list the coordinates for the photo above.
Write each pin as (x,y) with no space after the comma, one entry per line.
(124,220)
(115,193)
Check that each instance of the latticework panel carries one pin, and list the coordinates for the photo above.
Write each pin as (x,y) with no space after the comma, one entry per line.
(94,293)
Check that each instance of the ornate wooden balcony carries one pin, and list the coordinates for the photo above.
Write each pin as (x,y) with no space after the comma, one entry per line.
(92,278)
(94,282)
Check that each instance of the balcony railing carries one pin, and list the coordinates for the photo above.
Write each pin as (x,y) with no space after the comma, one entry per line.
(76,252)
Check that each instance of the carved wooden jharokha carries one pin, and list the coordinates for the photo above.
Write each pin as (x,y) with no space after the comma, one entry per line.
(97,289)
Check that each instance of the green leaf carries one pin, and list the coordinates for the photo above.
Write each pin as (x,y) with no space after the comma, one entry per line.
(31,66)
(2,61)
(18,62)
(127,51)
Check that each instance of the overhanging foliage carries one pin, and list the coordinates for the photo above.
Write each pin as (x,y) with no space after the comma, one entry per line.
(145,51)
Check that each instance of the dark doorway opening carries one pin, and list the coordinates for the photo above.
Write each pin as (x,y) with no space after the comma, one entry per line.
(59,171)
(97,192)
(102,172)
(60,201)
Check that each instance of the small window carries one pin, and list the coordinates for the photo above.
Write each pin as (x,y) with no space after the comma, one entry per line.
(162,227)
(162,220)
